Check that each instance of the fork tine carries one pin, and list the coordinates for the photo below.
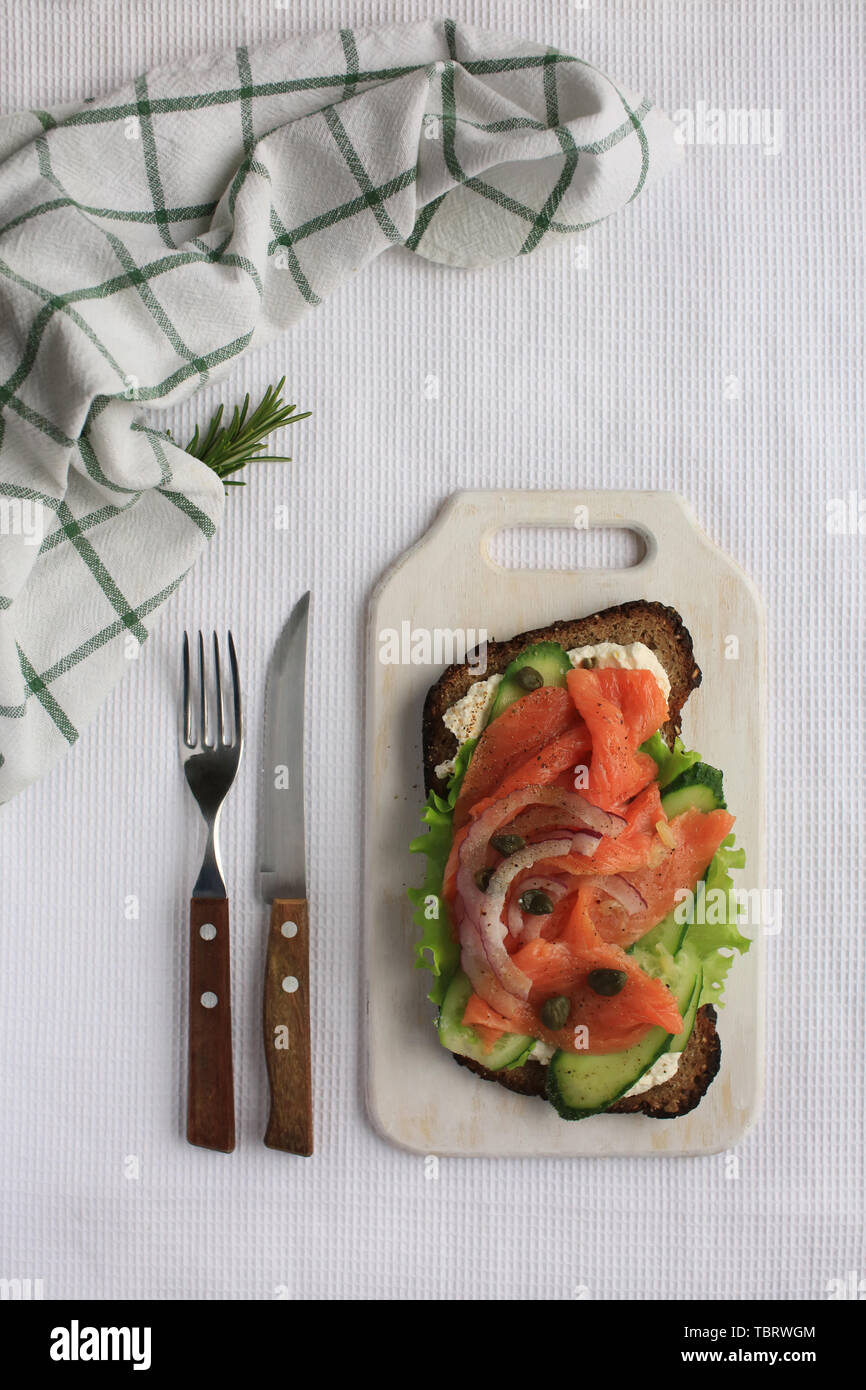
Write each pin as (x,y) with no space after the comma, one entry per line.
(187,702)
(220,733)
(236,687)
(204,730)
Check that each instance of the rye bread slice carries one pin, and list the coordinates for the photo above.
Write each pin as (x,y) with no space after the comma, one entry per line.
(662,630)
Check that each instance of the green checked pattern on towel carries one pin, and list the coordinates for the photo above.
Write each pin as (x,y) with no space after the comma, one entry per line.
(149,237)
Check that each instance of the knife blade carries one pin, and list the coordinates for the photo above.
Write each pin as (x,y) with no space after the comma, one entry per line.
(283,879)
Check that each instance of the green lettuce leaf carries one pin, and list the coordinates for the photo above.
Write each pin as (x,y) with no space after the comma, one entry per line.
(710,939)
(670,762)
(437,951)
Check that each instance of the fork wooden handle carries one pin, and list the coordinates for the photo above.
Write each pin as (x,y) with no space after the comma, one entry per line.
(211,1097)
(287,1028)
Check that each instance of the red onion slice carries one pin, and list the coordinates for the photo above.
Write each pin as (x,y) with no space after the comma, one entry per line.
(492,928)
(622,891)
(554,809)
(482,932)
(585,842)
(526,926)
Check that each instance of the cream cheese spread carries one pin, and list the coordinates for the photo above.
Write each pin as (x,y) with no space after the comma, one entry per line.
(661,1070)
(636,656)
(467,717)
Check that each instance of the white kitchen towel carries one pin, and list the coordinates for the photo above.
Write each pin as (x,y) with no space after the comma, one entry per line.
(150,237)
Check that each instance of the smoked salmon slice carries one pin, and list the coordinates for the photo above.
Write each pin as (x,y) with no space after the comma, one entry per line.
(597,1023)
(545,767)
(697,835)
(637,845)
(514,738)
(655,871)
(621,709)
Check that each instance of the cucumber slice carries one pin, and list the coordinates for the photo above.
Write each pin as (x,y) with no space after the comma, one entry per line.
(581,1084)
(700,786)
(547,659)
(466,1041)
(679,1042)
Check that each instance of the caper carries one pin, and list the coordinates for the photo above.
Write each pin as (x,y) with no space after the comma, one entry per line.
(482,878)
(555,1011)
(536,902)
(589,663)
(507,844)
(606,982)
(528,678)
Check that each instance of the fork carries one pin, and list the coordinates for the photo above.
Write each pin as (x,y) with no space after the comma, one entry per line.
(211,751)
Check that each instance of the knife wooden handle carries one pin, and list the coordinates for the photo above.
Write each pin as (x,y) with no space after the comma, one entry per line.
(287,1028)
(211,1097)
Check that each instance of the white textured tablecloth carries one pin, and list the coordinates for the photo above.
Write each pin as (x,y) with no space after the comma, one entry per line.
(725,362)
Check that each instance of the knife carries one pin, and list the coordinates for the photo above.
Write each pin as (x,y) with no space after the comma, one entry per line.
(284,886)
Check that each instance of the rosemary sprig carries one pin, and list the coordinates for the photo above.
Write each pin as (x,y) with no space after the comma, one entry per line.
(228,448)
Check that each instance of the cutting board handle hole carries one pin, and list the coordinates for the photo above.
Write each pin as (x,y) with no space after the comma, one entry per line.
(566,547)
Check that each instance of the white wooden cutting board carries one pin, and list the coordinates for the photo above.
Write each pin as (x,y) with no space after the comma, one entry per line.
(417,1096)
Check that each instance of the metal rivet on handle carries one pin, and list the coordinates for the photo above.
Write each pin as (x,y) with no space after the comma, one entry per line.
(289,929)
(207,931)
(209,999)
(290,984)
